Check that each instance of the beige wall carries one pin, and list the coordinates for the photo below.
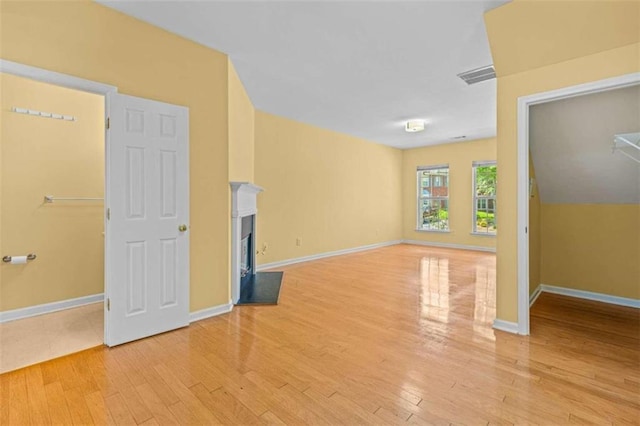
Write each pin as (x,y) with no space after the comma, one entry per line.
(327,189)
(508,43)
(460,157)
(44,156)
(241,130)
(592,247)
(88,40)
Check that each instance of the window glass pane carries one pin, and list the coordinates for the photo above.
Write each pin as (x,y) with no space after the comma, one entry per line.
(433,206)
(434,215)
(485,178)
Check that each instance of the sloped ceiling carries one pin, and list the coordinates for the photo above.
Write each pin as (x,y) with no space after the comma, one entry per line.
(360,68)
(570,143)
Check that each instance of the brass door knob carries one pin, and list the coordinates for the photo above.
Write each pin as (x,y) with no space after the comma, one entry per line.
(182,228)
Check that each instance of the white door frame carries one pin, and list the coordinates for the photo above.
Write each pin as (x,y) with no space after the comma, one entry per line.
(524,103)
(76,83)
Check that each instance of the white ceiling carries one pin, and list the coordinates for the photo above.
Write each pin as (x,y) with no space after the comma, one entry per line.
(361,68)
(570,143)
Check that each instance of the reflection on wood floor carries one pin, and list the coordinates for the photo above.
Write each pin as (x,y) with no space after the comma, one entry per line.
(394,335)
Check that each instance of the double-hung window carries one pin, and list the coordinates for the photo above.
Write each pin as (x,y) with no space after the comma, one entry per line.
(433,198)
(484,197)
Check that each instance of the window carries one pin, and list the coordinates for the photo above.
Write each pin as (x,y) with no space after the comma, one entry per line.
(484,197)
(433,198)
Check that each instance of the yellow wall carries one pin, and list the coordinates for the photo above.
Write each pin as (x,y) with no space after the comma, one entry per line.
(61,158)
(528,34)
(607,63)
(330,190)
(535,237)
(241,130)
(592,247)
(460,157)
(88,40)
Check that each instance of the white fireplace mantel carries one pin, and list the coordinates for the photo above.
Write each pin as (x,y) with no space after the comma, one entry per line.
(244,202)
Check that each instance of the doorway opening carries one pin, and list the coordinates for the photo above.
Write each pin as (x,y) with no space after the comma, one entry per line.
(145,209)
(52,181)
(561,193)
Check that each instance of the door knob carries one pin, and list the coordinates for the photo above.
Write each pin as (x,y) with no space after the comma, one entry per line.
(182,228)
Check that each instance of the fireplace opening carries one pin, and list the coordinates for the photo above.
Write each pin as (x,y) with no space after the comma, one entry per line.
(247,268)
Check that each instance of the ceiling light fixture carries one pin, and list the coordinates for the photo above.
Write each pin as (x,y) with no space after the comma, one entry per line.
(413,126)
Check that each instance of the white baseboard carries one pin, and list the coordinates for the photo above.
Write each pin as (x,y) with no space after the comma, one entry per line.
(46,308)
(449,245)
(534,296)
(326,254)
(508,326)
(598,297)
(210,312)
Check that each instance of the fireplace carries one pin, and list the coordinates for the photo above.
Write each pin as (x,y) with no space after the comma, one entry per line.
(243,235)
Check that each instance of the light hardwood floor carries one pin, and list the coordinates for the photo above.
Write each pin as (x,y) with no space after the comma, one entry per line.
(390,336)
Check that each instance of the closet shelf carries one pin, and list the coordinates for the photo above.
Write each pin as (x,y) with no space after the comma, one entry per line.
(627,140)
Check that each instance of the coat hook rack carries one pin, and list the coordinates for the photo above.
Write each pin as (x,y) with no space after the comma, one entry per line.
(44,114)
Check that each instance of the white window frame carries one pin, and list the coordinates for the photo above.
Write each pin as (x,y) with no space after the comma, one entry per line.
(420,197)
(475,198)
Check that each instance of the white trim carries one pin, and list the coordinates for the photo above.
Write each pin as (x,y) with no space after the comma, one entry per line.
(449,245)
(56,78)
(524,103)
(589,295)
(434,167)
(437,231)
(326,254)
(508,326)
(210,312)
(47,308)
(483,234)
(534,296)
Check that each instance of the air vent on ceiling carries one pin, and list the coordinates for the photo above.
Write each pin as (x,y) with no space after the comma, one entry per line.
(479,74)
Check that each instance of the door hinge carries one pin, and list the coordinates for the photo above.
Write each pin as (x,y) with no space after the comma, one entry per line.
(108,304)
(526,230)
(108,122)
(108,214)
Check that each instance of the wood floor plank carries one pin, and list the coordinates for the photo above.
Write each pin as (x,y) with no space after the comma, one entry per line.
(38,406)
(155,406)
(57,403)
(99,412)
(394,335)
(225,406)
(118,409)
(268,418)
(18,401)
(198,411)
(78,408)
(138,408)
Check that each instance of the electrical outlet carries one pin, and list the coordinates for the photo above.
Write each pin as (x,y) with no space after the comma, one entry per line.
(298,242)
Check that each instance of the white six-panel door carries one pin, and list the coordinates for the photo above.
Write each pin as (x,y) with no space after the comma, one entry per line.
(147,237)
